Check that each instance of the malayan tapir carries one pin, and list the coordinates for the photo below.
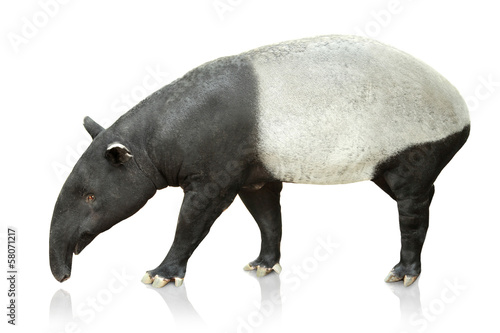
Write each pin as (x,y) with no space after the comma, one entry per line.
(323,110)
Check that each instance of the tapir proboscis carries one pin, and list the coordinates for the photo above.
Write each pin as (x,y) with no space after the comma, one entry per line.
(323,110)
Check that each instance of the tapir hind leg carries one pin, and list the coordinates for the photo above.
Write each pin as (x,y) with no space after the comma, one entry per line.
(409,179)
(264,205)
(413,202)
(413,225)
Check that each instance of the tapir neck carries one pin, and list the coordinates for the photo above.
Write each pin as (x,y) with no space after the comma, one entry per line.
(143,129)
(145,163)
(181,127)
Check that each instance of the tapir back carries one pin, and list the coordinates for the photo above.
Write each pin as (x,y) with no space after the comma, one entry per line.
(330,109)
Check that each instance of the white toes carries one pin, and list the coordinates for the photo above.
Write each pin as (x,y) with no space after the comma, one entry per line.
(159,282)
(409,279)
(178,282)
(392,277)
(248,267)
(147,279)
(262,271)
(277,268)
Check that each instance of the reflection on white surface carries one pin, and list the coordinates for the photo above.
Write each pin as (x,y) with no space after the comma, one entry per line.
(258,307)
(183,312)
(264,315)
(269,312)
(409,304)
(61,312)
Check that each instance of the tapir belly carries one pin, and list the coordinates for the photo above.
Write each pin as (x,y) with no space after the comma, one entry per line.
(331,110)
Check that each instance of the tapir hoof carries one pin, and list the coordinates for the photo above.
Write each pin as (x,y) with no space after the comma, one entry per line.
(407,279)
(159,281)
(263,271)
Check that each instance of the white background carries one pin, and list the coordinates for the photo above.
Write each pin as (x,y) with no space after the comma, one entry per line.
(90,57)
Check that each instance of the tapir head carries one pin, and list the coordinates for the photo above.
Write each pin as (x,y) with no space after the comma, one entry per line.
(105,187)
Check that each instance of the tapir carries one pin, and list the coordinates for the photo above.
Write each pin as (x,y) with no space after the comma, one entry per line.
(323,110)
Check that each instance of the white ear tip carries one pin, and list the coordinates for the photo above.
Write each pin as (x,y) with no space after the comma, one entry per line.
(118,153)
(116,145)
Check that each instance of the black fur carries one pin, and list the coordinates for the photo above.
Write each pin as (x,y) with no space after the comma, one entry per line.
(409,179)
(264,205)
(202,139)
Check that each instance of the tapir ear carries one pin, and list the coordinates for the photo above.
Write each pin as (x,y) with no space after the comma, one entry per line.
(92,127)
(118,154)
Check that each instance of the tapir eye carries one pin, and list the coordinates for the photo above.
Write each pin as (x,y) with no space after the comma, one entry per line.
(90,198)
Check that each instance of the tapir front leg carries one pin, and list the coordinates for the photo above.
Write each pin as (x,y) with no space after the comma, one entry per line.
(264,205)
(198,213)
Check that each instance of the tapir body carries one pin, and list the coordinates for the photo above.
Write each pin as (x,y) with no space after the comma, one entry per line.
(324,110)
